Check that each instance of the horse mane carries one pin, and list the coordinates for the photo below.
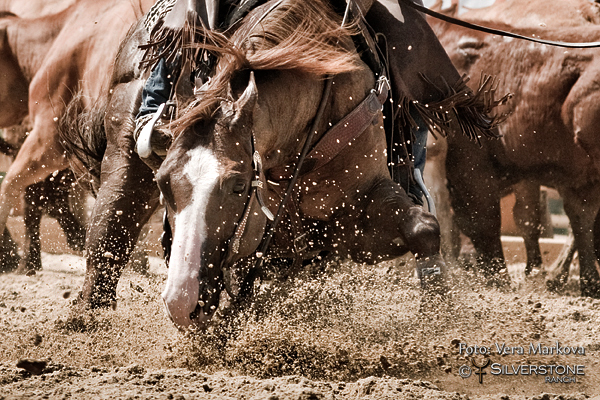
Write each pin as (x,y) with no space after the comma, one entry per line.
(303,36)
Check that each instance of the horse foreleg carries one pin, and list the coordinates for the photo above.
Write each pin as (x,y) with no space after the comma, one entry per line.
(392,225)
(126,199)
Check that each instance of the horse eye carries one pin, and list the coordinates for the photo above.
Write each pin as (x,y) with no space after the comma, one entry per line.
(239,187)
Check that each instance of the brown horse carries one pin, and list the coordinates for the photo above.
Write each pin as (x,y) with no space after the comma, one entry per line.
(44,62)
(233,147)
(550,138)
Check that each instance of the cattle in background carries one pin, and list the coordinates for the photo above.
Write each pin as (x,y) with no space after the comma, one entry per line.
(526,14)
(34,8)
(51,197)
(550,137)
(45,61)
(528,213)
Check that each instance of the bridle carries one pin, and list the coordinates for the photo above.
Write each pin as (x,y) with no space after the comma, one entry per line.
(256,187)
(329,145)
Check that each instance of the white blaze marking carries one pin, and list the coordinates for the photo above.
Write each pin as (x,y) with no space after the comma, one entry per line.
(181,292)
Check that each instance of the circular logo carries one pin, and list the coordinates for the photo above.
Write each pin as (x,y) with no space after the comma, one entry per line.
(465,371)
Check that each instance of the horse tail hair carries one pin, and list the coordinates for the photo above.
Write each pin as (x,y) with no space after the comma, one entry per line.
(83,136)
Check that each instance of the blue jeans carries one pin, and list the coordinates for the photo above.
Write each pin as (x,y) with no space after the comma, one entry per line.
(419,148)
(158,88)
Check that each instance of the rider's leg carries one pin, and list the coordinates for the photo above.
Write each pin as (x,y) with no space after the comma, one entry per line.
(419,153)
(157,90)
(414,54)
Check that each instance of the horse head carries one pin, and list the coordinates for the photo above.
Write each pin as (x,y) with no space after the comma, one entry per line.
(207,179)
(252,116)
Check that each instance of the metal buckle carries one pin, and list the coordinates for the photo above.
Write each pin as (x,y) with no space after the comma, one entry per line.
(382,82)
(431,271)
(169,111)
(300,243)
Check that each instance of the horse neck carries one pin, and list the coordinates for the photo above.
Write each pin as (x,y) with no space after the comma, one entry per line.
(31,39)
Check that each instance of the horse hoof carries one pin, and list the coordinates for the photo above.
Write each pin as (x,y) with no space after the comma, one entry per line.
(500,280)
(28,268)
(556,284)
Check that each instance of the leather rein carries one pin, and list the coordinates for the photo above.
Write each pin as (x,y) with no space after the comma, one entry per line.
(493,31)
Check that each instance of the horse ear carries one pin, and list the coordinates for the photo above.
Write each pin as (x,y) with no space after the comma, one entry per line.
(230,92)
(245,105)
(247,100)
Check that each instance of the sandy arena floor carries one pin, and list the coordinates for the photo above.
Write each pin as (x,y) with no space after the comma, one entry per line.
(352,332)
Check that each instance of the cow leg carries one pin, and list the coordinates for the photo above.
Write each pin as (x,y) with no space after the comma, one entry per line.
(475,196)
(527,215)
(38,157)
(126,199)
(582,215)
(558,272)
(32,251)
(435,177)
(392,225)
(59,208)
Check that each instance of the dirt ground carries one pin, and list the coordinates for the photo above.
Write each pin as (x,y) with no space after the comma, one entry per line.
(350,332)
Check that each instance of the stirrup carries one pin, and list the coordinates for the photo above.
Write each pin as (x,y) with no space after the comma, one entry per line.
(143,145)
(421,184)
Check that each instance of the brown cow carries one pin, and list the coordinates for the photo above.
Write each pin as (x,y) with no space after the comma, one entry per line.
(52,197)
(527,211)
(34,8)
(44,62)
(550,138)
(526,14)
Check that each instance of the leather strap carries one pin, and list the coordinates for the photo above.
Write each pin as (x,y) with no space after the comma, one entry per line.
(340,135)
(493,31)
